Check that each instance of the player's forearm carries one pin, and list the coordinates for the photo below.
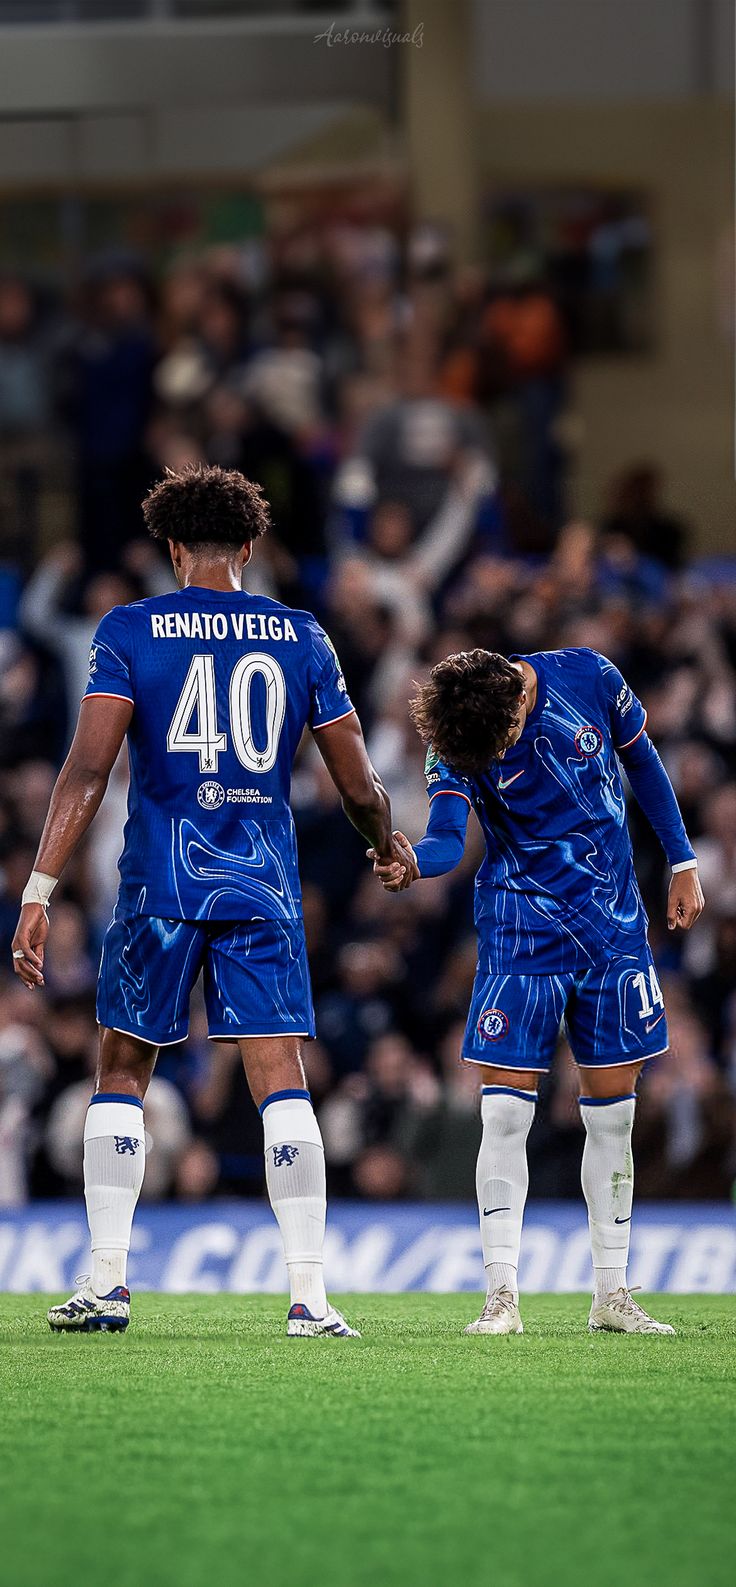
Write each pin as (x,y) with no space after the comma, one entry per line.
(75,801)
(82,781)
(370,814)
(443,844)
(364,798)
(436,856)
(653,791)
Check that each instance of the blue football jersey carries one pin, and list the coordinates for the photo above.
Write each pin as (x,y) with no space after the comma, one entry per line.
(222,687)
(557,890)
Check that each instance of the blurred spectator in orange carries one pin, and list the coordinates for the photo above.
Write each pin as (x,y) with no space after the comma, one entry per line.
(523,343)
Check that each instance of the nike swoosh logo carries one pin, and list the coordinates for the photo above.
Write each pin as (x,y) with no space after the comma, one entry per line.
(505,782)
(487,1211)
(651,1023)
(623,1220)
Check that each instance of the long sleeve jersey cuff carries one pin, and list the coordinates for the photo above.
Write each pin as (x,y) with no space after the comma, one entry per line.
(653,790)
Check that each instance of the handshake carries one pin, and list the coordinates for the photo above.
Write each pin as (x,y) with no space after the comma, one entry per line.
(397,870)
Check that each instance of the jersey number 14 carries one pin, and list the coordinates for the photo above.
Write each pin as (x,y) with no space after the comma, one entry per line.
(199,697)
(649,991)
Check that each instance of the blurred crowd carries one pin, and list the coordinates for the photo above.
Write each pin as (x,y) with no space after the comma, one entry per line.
(407,421)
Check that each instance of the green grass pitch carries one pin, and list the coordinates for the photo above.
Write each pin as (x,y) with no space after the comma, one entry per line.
(203,1447)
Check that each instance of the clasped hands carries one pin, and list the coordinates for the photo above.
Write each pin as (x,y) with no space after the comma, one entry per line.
(395,871)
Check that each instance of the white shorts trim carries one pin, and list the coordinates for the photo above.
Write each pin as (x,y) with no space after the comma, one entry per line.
(136,1035)
(489,1063)
(531,1069)
(623,1063)
(259,1035)
(237,1035)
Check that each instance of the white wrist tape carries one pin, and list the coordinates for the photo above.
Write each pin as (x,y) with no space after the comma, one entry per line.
(685,865)
(38,889)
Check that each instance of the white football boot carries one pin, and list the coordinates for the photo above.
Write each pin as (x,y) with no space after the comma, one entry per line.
(87,1313)
(500,1315)
(300,1324)
(621,1314)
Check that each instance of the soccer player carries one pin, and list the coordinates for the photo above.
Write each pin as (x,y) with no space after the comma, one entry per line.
(213,687)
(535,745)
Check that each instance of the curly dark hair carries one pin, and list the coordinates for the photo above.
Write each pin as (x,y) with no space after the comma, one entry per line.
(202,505)
(467,709)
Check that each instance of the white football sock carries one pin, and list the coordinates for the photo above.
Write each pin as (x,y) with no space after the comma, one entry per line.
(114,1165)
(502,1181)
(608,1186)
(295,1179)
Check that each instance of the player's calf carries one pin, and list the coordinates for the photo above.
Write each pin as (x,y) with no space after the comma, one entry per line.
(607,1176)
(502,1180)
(608,1185)
(296,1182)
(114,1165)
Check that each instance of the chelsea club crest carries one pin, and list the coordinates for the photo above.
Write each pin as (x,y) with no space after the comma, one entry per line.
(210,795)
(493,1024)
(588,740)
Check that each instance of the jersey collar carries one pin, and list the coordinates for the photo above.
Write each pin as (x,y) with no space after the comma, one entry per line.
(204,592)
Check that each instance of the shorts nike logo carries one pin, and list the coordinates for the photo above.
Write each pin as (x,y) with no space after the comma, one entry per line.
(487,1211)
(505,782)
(651,1023)
(623,1220)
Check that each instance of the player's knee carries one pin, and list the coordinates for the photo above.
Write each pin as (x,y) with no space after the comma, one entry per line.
(272,1064)
(515,1079)
(605,1084)
(124,1063)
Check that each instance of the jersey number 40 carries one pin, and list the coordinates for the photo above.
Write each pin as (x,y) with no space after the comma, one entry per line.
(199,697)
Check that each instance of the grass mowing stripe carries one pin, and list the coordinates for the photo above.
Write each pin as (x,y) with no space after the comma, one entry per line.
(204,1444)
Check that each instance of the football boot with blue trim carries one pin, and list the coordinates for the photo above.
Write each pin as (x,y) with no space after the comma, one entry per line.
(87,1313)
(300,1324)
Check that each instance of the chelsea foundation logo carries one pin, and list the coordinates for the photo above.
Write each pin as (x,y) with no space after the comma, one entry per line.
(588,740)
(493,1024)
(210,795)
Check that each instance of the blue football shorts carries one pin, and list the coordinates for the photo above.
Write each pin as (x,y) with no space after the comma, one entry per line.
(255,974)
(612,1014)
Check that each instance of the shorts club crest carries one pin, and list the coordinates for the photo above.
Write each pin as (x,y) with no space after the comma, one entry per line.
(493,1024)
